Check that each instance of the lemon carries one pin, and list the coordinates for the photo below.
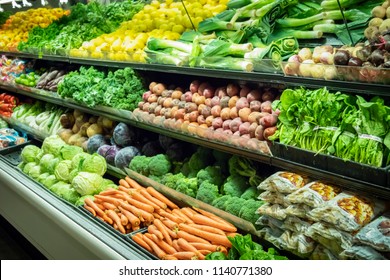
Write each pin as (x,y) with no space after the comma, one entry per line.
(178,28)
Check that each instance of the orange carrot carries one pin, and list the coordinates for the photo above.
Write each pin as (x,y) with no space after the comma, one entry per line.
(124,183)
(162,244)
(106,198)
(133,183)
(156,249)
(140,205)
(232,234)
(204,220)
(135,228)
(208,229)
(205,252)
(170,216)
(153,192)
(171,233)
(190,237)
(152,229)
(185,256)
(210,215)
(212,237)
(156,216)
(203,246)
(124,220)
(89,202)
(180,214)
(114,216)
(176,246)
(137,238)
(147,195)
(138,196)
(170,224)
(186,246)
(90,209)
(134,221)
(189,211)
(109,206)
(124,189)
(109,192)
(169,257)
(161,228)
(137,212)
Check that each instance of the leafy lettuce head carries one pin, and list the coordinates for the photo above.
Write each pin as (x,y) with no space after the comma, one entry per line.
(77,160)
(29,153)
(95,164)
(65,191)
(43,176)
(35,171)
(68,151)
(50,181)
(28,166)
(87,183)
(52,145)
(62,170)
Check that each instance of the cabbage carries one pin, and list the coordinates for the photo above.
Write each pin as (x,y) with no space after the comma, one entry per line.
(62,170)
(39,156)
(43,176)
(109,153)
(69,151)
(80,201)
(123,135)
(29,153)
(52,145)
(21,165)
(87,183)
(78,160)
(50,181)
(95,164)
(125,155)
(46,162)
(65,191)
(28,166)
(73,174)
(107,184)
(35,171)
(95,142)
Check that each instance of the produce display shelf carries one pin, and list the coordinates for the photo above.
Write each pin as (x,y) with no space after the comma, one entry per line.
(127,117)
(278,78)
(57,229)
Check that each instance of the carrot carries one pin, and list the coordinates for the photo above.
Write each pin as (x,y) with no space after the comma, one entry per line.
(138,196)
(89,202)
(134,221)
(185,256)
(161,228)
(152,229)
(90,209)
(210,215)
(212,237)
(124,189)
(153,192)
(171,233)
(128,227)
(109,206)
(190,237)
(124,219)
(153,199)
(100,218)
(170,224)
(203,246)
(186,246)
(205,252)
(180,214)
(176,246)
(137,238)
(99,204)
(106,198)
(208,229)
(140,205)
(190,212)
(133,183)
(170,216)
(204,220)
(114,216)
(135,228)
(232,234)
(156,216)
(137,212)
(162,244)
(169,257)
(124,183)
(109,192)
(156,249)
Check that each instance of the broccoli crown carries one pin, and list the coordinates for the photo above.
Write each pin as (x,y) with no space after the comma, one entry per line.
(207,192)
(241,166)
(250,193)
(140,164)
(159,165)
(170,180)
(235,185)
(213,174)
(249,211)
(220,201)
(200,159)
(234,205)
(155,178)
(188,186)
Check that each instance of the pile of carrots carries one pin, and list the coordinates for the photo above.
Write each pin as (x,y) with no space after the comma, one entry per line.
(173,233)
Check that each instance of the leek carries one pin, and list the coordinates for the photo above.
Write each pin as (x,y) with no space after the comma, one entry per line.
(333,5)
(222,48)
(157,44)
(161,57)
(232,36)
(230,63)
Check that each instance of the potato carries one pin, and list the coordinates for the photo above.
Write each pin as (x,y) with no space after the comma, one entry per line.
(65,134)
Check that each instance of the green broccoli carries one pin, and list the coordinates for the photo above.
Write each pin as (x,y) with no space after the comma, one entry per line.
(250,193)
(235,185)
(155,178)
(185,169)
(207,192)
(241,166)
(234,205)
(248,211)
(140,164)
(188,186)
(213,174)
(200,160)
(159,165)
(170,180)
(220,201)
(222,159)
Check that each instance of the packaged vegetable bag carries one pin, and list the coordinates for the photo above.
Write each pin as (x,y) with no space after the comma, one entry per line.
(362,252)
(298,210)
(296,224)
(284,182)
(274,210)
(274,198)
(322,253)
(297,243)
(348,211)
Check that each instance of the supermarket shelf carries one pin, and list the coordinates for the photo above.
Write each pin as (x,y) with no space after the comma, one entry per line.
(279,78)
(57,229)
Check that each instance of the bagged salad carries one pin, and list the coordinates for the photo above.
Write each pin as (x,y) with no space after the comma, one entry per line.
(273,197)
(322,253)
(362,252)
(276,211)
(297,243)
(298,210)
(296,224)
(284,182)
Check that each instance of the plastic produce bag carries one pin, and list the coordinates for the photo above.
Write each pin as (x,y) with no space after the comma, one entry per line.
(273,197)
(348,211)
(361,252)
(314,194)
(283,182)
(333,239)
(322,253)
(298,210)
(268,221)
(10,137)
(376,234)
(274,210)
(297,243)
(296,224)
(272,235)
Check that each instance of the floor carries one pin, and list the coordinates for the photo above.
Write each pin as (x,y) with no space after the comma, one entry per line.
(13,246)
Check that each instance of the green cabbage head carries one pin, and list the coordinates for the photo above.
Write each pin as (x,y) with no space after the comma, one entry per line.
(69,151)
(35,171)
(28,166)
(50,181)
(62,170)
(80,201)
(29,153)
(43,176)
(65,191)
(77,160)
(95,164)
(87,183)
(52,145)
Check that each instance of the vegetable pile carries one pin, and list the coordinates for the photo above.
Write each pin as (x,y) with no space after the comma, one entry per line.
(29,79)
(84,23)
(7,103)
(65,170)
(120,89)
(17,26)
(50,79)
(348,127)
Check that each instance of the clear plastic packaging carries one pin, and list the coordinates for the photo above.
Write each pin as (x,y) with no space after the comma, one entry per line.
(276,211)
(272,235)
(273,197)
(314,194)
(268,221)
(298,210)
(284,182)
(348,212)
(296,224)
(322,253)
(362,252)
(297,243)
